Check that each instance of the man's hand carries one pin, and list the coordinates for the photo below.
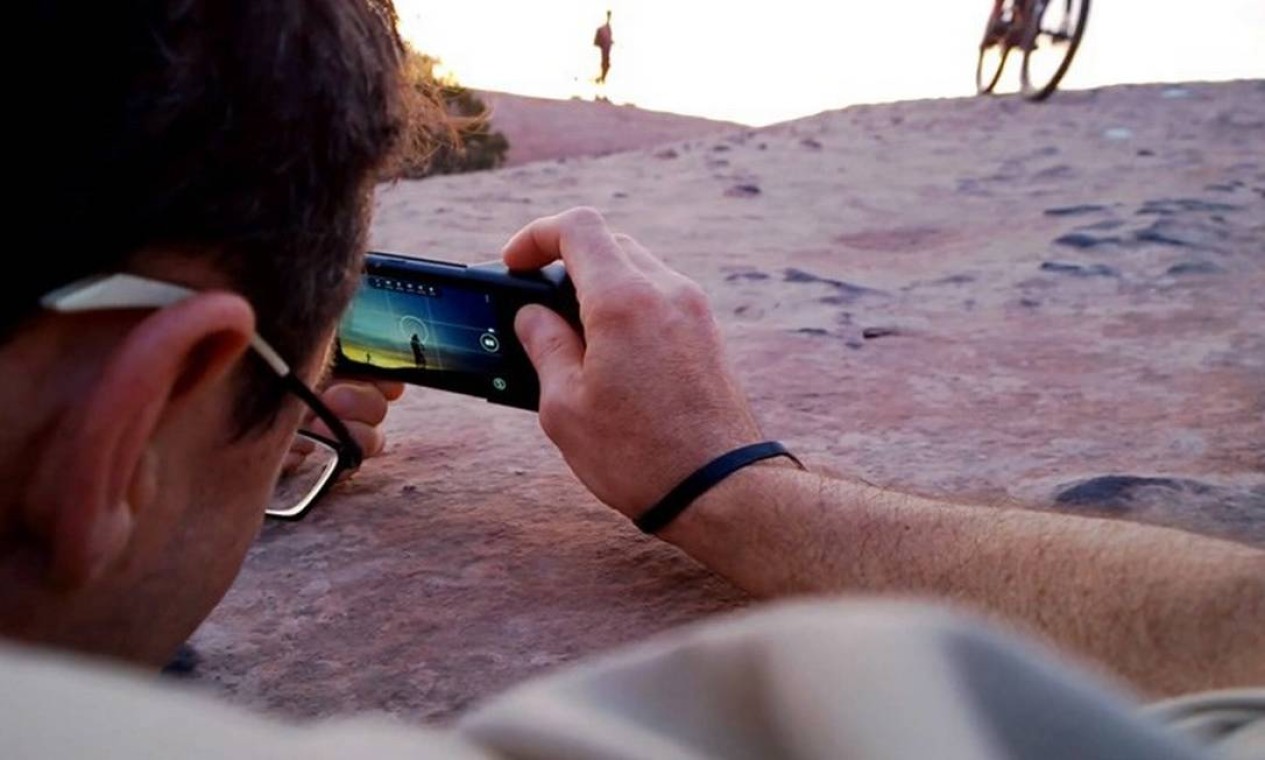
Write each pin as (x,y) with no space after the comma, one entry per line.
(361,405)
(646,397)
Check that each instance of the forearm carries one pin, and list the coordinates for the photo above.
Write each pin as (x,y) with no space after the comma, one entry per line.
(646,396)
(1169,611)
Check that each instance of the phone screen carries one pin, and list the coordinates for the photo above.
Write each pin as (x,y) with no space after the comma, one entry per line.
(446,331)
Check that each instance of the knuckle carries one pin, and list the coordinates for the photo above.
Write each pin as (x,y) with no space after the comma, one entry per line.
(584,216)
(554,413)
(362,403)
(373,441)
(624,304)
(375,410)
(550,345)
(691,299)
(642,299)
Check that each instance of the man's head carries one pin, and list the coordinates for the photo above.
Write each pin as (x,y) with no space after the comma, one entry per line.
(226,145)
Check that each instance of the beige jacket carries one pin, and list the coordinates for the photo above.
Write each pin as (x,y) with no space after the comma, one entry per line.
(828,679)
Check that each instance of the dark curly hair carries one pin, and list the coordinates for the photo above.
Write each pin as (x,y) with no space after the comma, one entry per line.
(243,133)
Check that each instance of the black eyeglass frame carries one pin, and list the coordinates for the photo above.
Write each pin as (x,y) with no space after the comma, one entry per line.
(128,291)
(350,455)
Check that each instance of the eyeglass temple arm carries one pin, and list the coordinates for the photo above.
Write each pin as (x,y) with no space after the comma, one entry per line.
(129,291)
(354,454)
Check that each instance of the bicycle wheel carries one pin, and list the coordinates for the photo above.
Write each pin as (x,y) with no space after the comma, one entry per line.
(994,48)
(1053,33)
(992,59)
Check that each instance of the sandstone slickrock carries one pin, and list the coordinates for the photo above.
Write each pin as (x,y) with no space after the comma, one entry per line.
(467,558)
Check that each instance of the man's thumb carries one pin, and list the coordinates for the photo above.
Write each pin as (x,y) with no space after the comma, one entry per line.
(554,347)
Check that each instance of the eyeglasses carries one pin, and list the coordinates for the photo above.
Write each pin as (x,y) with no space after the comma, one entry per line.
(314,461)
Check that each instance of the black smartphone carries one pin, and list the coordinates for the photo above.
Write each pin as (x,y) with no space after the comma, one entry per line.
(448,326)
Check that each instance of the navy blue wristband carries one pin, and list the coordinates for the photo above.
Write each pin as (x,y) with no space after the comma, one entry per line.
(678,499)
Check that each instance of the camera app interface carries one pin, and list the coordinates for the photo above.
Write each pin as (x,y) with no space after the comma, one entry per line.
(431,333)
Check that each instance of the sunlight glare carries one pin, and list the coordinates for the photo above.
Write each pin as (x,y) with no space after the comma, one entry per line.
(758,64)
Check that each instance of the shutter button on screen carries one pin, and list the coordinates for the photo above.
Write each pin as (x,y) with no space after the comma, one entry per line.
(490,342)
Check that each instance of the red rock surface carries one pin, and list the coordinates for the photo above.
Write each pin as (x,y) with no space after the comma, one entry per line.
(540,129)
(1001,366)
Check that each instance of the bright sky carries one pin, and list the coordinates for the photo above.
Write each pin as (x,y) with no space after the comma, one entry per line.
(759,63)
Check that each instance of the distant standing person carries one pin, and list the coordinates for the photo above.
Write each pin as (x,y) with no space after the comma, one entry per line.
(603,40)
(419,354)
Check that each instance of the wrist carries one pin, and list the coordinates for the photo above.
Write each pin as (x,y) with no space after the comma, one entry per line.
(718,512)
(664,512)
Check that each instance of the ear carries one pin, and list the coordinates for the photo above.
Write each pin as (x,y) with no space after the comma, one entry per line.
(98,470)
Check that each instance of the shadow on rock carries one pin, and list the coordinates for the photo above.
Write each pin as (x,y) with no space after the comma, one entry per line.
(1234,512)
